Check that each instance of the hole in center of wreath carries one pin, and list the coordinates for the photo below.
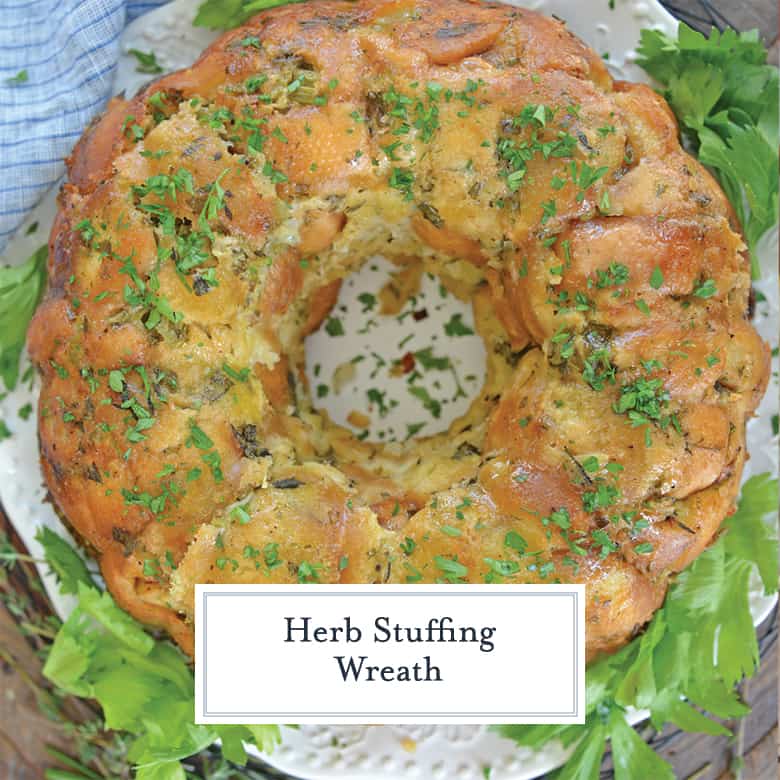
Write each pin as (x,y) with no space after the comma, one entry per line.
(398,356)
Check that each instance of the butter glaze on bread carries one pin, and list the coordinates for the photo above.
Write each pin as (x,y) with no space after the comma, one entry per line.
(205,230)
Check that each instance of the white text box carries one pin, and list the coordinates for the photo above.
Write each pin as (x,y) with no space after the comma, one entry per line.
(390,654)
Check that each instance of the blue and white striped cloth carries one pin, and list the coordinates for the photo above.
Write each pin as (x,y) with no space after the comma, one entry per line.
(69,49)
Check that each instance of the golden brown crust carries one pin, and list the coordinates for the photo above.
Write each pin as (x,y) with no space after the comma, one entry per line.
(207,225)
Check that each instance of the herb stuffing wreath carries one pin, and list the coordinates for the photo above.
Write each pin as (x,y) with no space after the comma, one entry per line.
(666,670)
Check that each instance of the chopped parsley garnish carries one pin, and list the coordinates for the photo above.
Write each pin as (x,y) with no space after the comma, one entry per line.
(309,572)
(190,251)
(116,381)
(516,154)
(22,77)
(452,570)
(237,375)
(644,402)
(200,440)
(271,555)
(615,275)
(514,541)
(604,495)
(412,429)
(456,327)
(276,176)
(334,327)
(402,179)
(558,517)
(502,568)
(162,185)
(21,287)
(214,203)
(147,62)
(431,362)
(705,289)
(429,403)
(254,83)
(408,545)
(598,369)
(585,177)
(368,300)
(144,294)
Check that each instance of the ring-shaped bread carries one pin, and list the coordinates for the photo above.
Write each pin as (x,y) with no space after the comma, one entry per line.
(205,230)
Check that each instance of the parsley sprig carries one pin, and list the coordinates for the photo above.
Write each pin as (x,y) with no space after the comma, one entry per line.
(726,97)
(671,670)
(226,14)
(21,287)
(101,653)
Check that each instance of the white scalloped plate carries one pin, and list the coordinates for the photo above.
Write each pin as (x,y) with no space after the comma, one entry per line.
(379,752)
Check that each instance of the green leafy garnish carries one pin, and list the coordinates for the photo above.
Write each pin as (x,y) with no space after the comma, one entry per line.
(21,288)
(147,61)
(226,14)
(750,540)
(334,327)
(431,362)
(726,97)
(145,686)
(452,570)
(672,669)
(66,564)
(455,326)
(706,289)
(22,77)
(429,403)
